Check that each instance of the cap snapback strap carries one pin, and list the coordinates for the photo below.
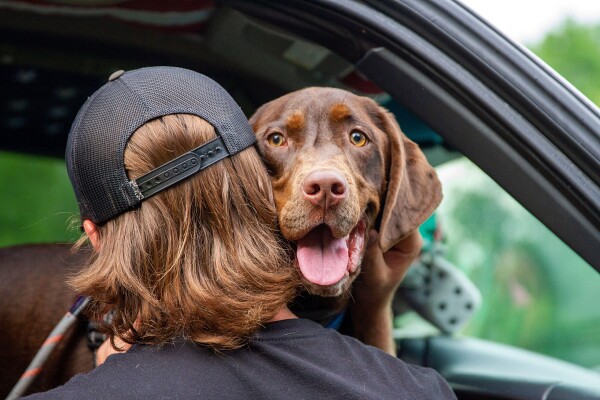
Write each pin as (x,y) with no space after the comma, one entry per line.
(180,168)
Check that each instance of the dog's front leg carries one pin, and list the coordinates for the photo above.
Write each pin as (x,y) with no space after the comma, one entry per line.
(373,292)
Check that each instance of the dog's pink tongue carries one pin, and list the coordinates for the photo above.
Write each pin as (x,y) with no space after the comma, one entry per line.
(323,259)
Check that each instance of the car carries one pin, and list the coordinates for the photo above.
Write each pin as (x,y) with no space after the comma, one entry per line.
(458,86)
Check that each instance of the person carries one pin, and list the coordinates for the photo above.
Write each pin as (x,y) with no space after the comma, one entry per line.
(178,208)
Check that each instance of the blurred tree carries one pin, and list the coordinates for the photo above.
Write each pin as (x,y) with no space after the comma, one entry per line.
(573,50)
(538,294)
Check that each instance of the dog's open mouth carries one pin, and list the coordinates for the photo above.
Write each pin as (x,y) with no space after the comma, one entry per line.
(324,259)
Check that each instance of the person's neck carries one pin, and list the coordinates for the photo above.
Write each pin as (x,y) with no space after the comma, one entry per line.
(282,314)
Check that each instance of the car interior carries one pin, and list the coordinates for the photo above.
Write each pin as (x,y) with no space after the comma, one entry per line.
(457,87)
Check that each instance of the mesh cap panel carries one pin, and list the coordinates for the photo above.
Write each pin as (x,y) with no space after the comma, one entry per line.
(104,124)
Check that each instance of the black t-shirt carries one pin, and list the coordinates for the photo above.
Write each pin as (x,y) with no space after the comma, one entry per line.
(290,359)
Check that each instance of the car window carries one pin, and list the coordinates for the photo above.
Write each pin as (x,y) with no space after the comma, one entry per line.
(537,293)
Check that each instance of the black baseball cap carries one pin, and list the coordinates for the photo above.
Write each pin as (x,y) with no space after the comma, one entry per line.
(106,121)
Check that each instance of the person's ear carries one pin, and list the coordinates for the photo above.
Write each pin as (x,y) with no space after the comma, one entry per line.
(91,230)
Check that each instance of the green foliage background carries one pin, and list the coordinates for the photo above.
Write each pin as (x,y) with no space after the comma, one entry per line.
(573,50)
(537,293)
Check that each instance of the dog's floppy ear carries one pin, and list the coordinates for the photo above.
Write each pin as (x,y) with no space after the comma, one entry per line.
(413,189)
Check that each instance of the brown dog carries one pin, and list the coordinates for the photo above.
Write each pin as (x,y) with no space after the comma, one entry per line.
(34,298)
(339,165)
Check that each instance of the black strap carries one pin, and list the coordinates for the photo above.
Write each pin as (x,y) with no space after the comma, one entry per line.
(180,168)
(94,338)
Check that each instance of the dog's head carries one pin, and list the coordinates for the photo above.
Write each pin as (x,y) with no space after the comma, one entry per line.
(339,163)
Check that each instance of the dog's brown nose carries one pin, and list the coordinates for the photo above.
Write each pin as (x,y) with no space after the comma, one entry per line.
(324,188)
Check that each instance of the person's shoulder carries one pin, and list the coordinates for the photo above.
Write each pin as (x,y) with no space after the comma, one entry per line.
(124,375)
(96,383)
(75,388)
(309,345)
(426,382)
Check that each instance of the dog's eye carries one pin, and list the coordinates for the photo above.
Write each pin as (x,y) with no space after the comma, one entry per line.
(358,138)
(276,139)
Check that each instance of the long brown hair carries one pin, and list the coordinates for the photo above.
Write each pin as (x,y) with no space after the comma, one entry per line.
(202,259)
